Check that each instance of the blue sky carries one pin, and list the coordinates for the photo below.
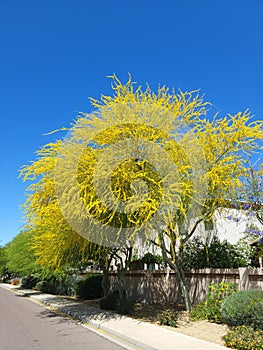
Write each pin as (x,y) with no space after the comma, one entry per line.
(56,54)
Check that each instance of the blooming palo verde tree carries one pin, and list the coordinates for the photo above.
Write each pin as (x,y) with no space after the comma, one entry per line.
(54,243)
(144,166)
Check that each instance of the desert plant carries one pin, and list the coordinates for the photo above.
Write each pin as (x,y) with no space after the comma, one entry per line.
(216,294)
(199,312)
(211,308)
(244,308)
(168,318)
(244,338)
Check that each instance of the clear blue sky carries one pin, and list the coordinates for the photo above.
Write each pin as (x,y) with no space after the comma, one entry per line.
(55,54)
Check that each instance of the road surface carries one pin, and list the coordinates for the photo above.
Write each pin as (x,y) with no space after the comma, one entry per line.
(25,325)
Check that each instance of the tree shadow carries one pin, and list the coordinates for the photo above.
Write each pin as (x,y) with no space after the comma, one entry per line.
(75,309)
(25,293)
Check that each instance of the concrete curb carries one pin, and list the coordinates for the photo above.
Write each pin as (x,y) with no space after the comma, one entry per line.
(98,326)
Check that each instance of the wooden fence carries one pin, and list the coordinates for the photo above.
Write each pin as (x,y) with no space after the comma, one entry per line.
(160,286)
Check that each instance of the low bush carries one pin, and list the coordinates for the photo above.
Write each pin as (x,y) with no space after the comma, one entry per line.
(244,308)
(57,283)
(168,318)
(45,287)
(29,281)
(199,312)
(90,287)
(66,284)
(215,297)
(211,308)
(244,338)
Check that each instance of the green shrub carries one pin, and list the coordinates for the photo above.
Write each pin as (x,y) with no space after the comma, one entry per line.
(65,284)
(150,258)
(45,287)
(244,338)
(244,308)
(199,312)
(216,295)
(211,308)
(168,318)
(90,287)
(57,283)
(29,281)
(216,254)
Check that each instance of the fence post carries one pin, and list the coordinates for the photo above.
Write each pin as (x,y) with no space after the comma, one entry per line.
(243,278)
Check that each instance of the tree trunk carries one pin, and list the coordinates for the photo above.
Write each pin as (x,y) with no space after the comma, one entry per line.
(121,273)
(105,281)
(177,268)
(182,284)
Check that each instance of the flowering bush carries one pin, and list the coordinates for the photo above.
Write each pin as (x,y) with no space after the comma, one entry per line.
(244,338)
(211,308)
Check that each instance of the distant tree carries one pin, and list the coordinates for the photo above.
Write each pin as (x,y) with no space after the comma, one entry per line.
(20,258)
(3,261)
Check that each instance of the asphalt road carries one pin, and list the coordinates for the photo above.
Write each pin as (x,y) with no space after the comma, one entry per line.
(25,325)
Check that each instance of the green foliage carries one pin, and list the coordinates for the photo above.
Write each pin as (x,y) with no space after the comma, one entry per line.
(168,318)
(45,287)
(90,287)
(29,281)
(198,255)
(244,338)
(3,261)
(150,258)
(244,308)
(211,308)
(216,294)
(57,283)
(199,312)
(21,259)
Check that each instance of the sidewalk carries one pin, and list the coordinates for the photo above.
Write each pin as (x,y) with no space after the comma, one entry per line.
(138,334)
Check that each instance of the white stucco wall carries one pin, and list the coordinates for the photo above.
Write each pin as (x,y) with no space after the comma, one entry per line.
(230,229)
